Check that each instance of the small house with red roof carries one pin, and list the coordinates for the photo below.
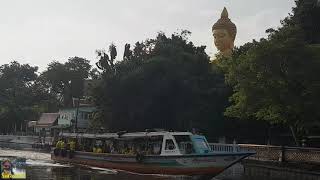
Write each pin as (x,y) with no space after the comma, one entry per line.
(46,122)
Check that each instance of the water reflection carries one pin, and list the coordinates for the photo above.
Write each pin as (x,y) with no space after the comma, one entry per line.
(83,173)
(40,166)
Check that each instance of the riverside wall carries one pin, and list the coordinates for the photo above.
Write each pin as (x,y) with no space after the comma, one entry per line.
(281,162)
(21,142)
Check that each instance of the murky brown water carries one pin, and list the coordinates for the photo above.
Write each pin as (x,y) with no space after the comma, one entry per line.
(40,167)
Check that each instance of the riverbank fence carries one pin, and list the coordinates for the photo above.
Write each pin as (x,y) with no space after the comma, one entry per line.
(273,153)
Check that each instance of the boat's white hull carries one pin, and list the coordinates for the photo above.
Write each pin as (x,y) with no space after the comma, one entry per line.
(211,164)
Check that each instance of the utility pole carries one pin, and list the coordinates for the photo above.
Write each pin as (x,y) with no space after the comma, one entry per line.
(77,112)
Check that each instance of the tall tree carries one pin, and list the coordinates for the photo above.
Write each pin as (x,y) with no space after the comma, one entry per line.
(306,14)
(21,97)
(127,55)
(105,63)
(276,79)
(67,80)
(168,83)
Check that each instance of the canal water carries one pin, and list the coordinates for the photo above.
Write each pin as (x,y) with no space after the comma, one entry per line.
(40,167)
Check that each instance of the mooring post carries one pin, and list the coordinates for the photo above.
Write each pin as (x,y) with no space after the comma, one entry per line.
(282,155)
(234,148)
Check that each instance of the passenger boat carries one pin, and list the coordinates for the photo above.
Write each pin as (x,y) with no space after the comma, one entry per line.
(164,152)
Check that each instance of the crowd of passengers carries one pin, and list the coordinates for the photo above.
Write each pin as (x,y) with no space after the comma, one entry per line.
(110,146)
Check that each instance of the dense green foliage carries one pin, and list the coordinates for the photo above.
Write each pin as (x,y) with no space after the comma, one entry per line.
(25,95)
(165,82)
(277,79)
(306,15)
(66,80)
(22,97)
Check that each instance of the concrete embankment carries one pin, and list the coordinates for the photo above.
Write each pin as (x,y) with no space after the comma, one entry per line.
(281,170)
(280,162)
(20,142)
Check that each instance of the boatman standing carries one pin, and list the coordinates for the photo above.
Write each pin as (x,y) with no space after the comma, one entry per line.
(58,145)
(72,145)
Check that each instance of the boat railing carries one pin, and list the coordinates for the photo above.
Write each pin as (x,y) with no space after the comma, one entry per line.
(220,147)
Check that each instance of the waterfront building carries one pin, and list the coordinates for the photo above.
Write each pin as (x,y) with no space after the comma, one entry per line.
(75,117)
(45,125)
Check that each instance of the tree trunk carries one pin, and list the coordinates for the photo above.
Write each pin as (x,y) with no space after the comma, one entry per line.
(294,135)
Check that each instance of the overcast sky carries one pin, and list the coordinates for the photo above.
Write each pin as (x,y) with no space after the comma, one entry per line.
(39,31)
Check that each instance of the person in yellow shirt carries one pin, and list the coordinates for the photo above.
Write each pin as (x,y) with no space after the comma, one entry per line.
(62,144)
(72,145)
(58,145)
(63,148)
(99,150)
(131,151)
(57,150)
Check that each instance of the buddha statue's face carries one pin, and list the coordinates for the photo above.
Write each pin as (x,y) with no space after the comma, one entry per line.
(222,40)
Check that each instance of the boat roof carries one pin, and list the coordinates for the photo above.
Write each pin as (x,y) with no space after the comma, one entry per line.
(122,135)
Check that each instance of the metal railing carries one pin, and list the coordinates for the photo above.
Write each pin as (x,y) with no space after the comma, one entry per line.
(283,153)
(272,153)
(219,147)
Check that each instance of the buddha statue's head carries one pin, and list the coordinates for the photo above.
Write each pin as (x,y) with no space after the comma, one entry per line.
(224,33)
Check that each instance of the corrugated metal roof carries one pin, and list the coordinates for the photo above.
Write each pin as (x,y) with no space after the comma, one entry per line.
(47,118)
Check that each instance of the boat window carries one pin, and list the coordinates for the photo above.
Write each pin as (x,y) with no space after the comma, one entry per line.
(154,145)
(86,144)
(132,145)
(201,143)
(170,144)
(185,144)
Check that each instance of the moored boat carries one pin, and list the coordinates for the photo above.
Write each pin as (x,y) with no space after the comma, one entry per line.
(170,153)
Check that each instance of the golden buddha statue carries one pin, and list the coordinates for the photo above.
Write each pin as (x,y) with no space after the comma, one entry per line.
(224,33)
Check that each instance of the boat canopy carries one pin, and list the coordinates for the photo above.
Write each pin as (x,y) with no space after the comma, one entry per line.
(121,135)
(168,143)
